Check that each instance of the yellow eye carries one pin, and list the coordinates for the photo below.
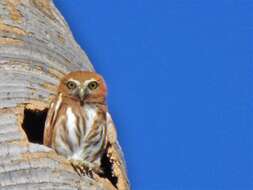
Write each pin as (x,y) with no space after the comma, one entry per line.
(71,85)
(93,85)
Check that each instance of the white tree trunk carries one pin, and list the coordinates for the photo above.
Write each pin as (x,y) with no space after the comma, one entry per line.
(36,50)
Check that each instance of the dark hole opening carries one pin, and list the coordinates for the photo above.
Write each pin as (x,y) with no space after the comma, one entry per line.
(33,124)
(106,165)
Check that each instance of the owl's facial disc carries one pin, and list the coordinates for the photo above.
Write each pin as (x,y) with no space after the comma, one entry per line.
(82,91)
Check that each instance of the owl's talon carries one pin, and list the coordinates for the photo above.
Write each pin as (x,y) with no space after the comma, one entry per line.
(76,168)
(82,168)
(90,173)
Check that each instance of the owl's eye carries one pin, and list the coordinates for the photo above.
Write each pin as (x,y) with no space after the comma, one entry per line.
(93,85)
(71,85)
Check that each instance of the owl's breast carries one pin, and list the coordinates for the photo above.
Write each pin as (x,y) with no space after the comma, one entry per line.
(70,130)
(90,116)
(95,133)
(75,129)
(81,135)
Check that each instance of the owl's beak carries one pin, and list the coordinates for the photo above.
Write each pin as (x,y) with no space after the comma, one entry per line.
(83,93)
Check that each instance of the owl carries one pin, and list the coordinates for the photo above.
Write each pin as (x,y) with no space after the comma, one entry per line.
(79,127)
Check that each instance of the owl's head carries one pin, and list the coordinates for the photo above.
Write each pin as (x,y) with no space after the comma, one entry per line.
(83,86)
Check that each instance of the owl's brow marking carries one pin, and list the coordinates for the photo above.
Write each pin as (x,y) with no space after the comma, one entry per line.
(73,80)
(88,81)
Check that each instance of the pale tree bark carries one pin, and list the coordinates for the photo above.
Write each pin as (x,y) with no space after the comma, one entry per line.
(36,50)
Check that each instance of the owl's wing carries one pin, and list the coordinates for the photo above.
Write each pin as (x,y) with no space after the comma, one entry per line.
(116,156)
(50,120)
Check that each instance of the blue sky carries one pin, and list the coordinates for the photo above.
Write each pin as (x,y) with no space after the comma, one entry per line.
(179,74)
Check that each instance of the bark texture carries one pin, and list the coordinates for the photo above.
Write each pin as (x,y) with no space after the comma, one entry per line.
(36,50)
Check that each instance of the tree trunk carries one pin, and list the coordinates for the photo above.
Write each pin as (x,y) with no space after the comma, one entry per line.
(36,50)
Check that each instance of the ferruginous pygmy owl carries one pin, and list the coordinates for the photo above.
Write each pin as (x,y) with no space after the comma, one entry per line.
(79,127)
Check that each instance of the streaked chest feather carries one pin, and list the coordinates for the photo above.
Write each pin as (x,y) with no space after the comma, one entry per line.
(80,125)
(91,114)
(71,125)
(80,129)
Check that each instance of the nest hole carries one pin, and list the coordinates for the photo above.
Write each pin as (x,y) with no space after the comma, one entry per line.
(34,123)
(106,165)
